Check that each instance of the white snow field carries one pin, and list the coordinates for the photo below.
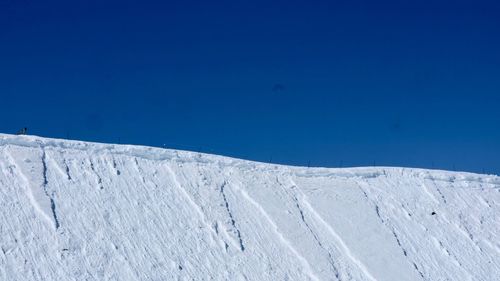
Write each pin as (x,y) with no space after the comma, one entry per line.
(85,211)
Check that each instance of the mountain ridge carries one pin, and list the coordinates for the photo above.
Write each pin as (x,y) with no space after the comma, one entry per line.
(79,210)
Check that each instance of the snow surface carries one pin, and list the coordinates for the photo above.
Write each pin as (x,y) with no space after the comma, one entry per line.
(85,211)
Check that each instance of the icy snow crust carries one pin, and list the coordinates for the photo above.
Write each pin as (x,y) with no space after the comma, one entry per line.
(85,211)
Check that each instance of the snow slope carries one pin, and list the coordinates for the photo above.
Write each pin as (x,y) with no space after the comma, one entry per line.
(85,211)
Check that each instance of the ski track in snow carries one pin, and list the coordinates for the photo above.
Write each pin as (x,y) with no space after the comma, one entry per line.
(293,195)
(392,229)
(231,218)
(339,241)
(191,202)
(45,183)
(87,211)
(316,238)
(281,237)
(35,196)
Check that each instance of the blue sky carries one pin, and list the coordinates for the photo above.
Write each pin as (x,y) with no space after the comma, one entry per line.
(329,83)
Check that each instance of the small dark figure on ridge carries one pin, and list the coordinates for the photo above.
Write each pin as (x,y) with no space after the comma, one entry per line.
(23,131)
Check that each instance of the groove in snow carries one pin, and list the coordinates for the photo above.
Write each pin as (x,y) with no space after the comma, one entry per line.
(281,237)
(339,240)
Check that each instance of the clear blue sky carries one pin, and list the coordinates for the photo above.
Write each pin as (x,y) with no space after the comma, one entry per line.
(319,82)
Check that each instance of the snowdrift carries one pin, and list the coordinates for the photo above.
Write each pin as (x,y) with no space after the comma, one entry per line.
(85,211)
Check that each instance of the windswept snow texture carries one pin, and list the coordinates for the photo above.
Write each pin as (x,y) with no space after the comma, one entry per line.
(84,211)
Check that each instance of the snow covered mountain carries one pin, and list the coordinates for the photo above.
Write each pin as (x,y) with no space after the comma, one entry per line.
(84,211)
